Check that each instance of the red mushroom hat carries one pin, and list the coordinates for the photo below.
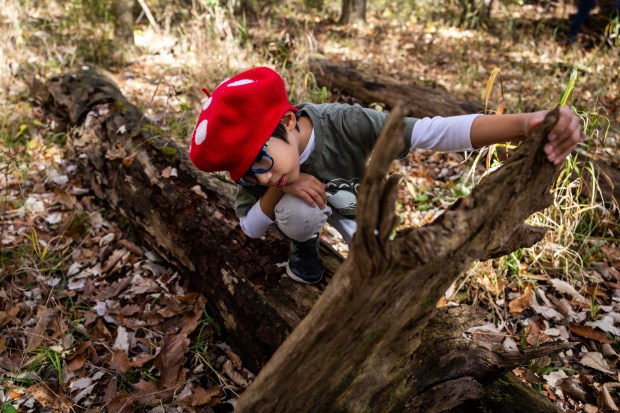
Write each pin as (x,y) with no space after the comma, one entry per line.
(237,120)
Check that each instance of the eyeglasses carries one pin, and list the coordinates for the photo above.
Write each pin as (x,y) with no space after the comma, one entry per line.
(262,164)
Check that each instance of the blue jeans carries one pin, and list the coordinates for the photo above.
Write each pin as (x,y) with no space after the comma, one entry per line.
(584,8)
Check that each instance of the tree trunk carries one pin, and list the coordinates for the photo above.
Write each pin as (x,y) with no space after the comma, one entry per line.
(353,11)
(372,339)
(476,12)
(123,22)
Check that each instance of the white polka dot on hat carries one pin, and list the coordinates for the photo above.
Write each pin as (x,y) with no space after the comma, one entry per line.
(236,121)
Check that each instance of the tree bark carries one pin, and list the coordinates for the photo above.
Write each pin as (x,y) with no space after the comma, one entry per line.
(372,339)
(123,22)
(353,11)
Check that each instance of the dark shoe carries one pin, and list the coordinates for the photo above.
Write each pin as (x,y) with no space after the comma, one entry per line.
(304,264)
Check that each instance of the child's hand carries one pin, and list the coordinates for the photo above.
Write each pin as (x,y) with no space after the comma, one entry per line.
(564,136)
(308,188)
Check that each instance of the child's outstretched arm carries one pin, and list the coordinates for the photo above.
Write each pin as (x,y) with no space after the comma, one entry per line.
(563,138)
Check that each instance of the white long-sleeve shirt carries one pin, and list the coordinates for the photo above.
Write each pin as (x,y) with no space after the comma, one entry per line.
(441,134)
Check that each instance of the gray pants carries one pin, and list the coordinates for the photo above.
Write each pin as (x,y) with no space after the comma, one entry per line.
(299,221)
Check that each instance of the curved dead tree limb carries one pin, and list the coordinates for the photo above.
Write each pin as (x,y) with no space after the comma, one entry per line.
(358,348)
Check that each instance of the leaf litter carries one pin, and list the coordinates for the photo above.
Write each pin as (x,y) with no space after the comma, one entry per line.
(75,289)
(88,318)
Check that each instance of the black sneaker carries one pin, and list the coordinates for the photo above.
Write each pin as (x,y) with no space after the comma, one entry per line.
(304,264)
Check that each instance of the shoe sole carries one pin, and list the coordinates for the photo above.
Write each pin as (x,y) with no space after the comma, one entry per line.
(301,280)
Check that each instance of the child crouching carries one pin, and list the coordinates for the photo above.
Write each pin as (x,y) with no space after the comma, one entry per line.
(299,167)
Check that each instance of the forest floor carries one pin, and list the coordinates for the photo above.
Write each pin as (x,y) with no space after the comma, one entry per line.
(85,310)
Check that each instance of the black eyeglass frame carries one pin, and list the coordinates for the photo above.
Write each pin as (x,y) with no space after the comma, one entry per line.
(249,179)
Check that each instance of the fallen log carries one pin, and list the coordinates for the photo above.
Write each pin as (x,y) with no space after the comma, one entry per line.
(188,217)
(369,88)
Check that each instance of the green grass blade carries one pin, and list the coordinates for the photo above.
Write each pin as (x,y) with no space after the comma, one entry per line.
(569,88)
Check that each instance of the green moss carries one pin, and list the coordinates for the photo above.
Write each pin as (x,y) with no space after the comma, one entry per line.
(152,128)
(496,392)
(171,154)
(430,301)
(374,336)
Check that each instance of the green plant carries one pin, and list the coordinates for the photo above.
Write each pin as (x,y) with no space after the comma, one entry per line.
(612,31)
(6,407)
(46,358)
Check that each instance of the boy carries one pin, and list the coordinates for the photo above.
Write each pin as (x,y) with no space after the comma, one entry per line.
(300,166)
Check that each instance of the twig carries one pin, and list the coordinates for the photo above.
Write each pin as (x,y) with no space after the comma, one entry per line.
(149,15)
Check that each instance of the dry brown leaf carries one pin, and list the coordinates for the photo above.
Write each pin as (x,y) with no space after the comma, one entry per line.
(49,399)
(122,340)
(235,359)
(141,360)
(147,392)
(605,323)
(202,396)
(609,352)
(62,197)
(120,362)
(142,285)
(114,289)
(189,322)
(131,247)
(596,361)
(605,401)
(131,309)
(81,383)
(116,257)
(122,403)
(589,332)
(572,387)
(77,363)
(612,254)
(554,377)
(565,308)
(170,359)
(37,334)
(565,288)
(545,310)
(535,332)
(235,376)
(517,306)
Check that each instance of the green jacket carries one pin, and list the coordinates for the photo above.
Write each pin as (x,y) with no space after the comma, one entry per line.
(344,139)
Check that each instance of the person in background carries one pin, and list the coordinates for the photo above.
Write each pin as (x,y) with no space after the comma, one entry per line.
(584,8)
